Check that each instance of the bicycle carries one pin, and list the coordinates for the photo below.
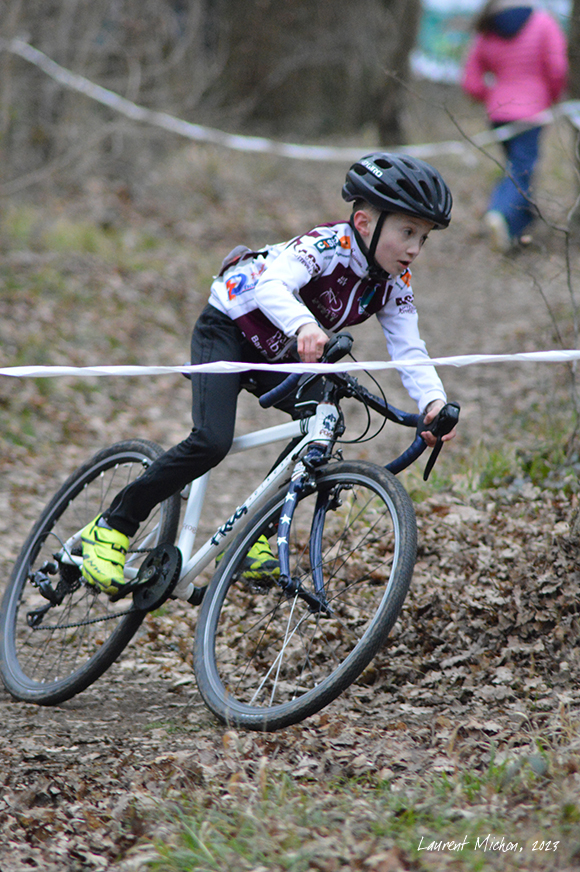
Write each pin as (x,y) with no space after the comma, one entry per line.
(267,653)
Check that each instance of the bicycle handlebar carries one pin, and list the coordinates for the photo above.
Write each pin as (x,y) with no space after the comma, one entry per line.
(339,346)
(281,391)
(442,424)
(336,348)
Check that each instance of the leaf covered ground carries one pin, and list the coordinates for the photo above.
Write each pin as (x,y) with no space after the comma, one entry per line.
(459,746)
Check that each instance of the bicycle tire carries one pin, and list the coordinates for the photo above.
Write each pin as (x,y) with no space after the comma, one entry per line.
(262,660)
(76,641)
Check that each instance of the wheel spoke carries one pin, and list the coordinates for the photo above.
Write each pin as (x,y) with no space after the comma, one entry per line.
(80,636)
(272,659)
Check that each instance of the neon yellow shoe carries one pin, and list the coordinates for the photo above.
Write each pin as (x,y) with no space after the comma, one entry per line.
(259,564)
(104,551)
(259,567)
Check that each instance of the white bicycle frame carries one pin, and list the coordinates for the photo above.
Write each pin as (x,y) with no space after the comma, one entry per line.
(319,428)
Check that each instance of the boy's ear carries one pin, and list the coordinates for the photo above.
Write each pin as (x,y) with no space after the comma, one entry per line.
(362,220)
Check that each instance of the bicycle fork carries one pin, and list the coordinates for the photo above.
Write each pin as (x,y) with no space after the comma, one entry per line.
(301,480)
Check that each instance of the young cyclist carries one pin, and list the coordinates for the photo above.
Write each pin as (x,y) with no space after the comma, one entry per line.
(332,277)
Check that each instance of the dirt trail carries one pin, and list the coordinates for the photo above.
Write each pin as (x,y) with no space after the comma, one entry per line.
(80,781)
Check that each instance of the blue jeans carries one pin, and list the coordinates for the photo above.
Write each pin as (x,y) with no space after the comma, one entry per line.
(511,195)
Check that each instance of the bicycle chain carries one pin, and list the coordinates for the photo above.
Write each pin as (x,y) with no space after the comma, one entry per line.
(85,623)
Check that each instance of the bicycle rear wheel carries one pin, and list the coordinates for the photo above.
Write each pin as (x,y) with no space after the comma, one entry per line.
(49,653)
(265,659)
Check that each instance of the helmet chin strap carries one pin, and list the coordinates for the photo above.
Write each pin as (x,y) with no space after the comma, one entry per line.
(375,270)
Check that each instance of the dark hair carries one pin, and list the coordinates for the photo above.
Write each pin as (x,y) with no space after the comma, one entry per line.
(361,203)
(484,20)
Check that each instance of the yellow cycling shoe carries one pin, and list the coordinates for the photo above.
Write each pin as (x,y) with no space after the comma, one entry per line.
(259,563)
(104,551)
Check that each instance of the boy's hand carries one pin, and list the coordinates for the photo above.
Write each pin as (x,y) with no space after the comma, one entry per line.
(311,342)
(431,412)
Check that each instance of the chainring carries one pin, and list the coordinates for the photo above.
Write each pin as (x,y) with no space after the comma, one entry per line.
(157,577)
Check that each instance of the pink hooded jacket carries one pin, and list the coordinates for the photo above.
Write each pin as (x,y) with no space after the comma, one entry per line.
(518,77)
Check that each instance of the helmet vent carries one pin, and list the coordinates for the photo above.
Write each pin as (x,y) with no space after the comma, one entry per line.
(383,164)
(408,188)
(381,188)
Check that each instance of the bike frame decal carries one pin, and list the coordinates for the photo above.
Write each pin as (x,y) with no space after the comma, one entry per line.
(193,564)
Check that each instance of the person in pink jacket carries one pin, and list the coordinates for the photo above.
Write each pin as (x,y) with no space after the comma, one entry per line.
(517,67)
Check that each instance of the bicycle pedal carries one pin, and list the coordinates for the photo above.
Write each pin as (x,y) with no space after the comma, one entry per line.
(197,596)
(258,585)
(124,591)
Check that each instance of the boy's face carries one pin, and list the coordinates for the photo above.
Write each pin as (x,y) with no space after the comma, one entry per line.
(401,239)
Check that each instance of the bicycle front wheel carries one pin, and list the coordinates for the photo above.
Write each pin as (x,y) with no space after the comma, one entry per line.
(50,652)
(265,659)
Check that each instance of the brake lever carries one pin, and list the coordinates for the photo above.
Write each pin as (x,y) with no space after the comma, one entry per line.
(442,424)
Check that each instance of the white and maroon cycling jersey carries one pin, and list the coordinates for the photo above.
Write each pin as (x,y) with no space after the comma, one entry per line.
(322,276)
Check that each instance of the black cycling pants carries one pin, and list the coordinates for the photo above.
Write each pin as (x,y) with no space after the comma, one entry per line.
(215,337)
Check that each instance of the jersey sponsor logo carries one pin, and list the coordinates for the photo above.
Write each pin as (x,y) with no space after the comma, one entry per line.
(406,303)
(323,245)
(344,242)
(405,278)
(242,282)
(255,339)
(330,302)
(236,285)
(367,297)
(306,258)
(276,343)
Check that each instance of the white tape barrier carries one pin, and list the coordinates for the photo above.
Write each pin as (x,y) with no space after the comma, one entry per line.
(259,144)
(222,366)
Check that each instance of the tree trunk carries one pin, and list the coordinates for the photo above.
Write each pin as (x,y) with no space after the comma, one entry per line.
(405,23)
(303,69)
(574,51)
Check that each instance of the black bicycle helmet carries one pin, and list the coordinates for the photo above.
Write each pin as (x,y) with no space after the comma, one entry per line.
(398,183)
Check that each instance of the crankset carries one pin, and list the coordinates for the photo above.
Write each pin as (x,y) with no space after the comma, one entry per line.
(157,577)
